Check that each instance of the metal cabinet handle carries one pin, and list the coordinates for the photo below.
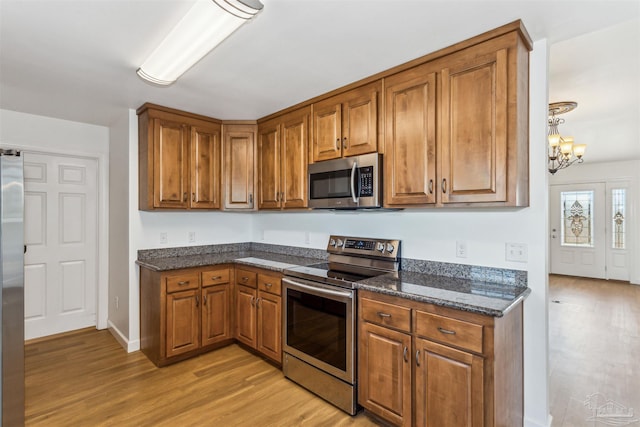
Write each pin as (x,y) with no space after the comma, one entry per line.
(277,196)
(182,283)
(193,197)
(446,331)
(282,196)
(184,196)
(197,301)
(383,315)
(404,354)
(444,185)
(251,301)
(258,302)
(204,300)
(251,198)
(417,357)
(337,143)
(344,142)
(430,186)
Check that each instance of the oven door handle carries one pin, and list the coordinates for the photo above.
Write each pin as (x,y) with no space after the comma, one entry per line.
(318,289)
(354,196)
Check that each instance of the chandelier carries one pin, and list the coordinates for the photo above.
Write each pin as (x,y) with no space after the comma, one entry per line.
(562,151)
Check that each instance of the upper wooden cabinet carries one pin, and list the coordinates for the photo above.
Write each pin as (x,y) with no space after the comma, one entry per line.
(283,145)
(347,124)
(239,175)
(179,160)
(457,128)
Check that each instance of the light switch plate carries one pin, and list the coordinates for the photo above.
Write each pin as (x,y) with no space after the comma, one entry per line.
(516,252)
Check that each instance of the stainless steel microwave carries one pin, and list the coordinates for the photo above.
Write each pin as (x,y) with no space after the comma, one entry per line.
(346,183)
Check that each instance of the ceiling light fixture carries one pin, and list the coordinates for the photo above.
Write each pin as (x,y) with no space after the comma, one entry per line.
(562,151)
(204,27)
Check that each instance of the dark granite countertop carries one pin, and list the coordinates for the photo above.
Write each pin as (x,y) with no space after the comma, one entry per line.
(266,260)
(475,296)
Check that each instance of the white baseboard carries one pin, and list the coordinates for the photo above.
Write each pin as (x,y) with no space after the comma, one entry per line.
(130,346)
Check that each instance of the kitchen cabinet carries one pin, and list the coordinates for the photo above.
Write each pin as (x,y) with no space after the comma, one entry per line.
(179,159)
(283,145)
(347,124)
(456,128)
(425,365)
(259,311)
(184,312)
(239,176)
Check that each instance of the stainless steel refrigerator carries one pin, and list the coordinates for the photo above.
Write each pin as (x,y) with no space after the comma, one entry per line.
(12,275)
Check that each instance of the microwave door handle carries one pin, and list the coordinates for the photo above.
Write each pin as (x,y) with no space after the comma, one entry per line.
(355,196)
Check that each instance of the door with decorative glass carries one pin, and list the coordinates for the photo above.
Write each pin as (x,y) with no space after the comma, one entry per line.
(578,239)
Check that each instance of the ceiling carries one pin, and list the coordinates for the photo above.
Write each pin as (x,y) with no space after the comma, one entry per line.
(76,59)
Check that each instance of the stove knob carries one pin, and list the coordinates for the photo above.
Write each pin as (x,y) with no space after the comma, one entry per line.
(390,247)
(339,243)
(332,242)
(380,247)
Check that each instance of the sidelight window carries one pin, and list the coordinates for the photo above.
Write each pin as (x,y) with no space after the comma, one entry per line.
(618,214)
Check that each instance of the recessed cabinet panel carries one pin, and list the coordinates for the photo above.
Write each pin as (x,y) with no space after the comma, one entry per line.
(269,180)
(215,314)
(360,134)
(295,142)
(239,146)
(183,322)
(327,130)
(410,159)
(171,162)
(269,309)
(205,168)
(474,129)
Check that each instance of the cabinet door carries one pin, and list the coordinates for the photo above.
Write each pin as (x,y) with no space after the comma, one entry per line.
(246,315)
(215,314)
(238,169)
(269,308)
(170,164)
(205,167)
(295,146)
(360,121)
(449,386)
(385,373)
(410,140)
(327,130)
(269,165)
(183,322)
(474,127)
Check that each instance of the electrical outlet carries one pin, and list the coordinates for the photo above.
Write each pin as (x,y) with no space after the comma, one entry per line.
(163,238)
(192,236)
(461,249)
(516,252)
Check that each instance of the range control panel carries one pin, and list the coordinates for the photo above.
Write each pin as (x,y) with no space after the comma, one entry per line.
(367,247)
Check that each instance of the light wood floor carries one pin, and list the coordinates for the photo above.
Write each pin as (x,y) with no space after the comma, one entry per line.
(594,346)
(86,379)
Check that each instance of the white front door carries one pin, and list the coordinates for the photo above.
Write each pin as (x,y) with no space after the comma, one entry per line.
(578,243)
(61,226)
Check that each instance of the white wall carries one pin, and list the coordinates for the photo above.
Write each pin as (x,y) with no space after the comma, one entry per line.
(432,235)
(40,134)
(611,172)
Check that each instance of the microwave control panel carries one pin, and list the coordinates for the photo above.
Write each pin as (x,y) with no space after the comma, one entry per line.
(366,181)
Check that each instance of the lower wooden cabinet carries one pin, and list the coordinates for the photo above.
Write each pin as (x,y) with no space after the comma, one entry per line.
(259,311)
(444,367)
(184,312)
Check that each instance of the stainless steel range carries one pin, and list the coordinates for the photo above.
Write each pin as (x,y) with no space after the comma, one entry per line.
(319,325)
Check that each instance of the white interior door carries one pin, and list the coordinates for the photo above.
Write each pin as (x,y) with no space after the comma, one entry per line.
(61,224)
(578,243)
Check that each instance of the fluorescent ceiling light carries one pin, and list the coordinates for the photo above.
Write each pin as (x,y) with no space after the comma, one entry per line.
(204,27)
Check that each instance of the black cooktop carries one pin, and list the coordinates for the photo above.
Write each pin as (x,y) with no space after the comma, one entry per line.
(326,273)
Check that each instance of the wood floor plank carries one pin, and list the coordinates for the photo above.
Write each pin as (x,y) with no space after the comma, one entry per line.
(594,346)
(86,379)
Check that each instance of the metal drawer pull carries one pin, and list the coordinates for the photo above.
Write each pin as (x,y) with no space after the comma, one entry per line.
(216,278)
(418,358)
(383,315)
(446,331)
(404,354)
(184,282)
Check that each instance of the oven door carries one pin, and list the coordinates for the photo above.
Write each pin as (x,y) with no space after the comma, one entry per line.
(319,326)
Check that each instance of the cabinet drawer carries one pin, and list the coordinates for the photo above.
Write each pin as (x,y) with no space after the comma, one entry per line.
(384,314)
(215,277)
(245,278)
(269,284)
(457,333)
(182,282)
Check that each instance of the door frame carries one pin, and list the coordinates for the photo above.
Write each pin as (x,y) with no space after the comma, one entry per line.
(102,249)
